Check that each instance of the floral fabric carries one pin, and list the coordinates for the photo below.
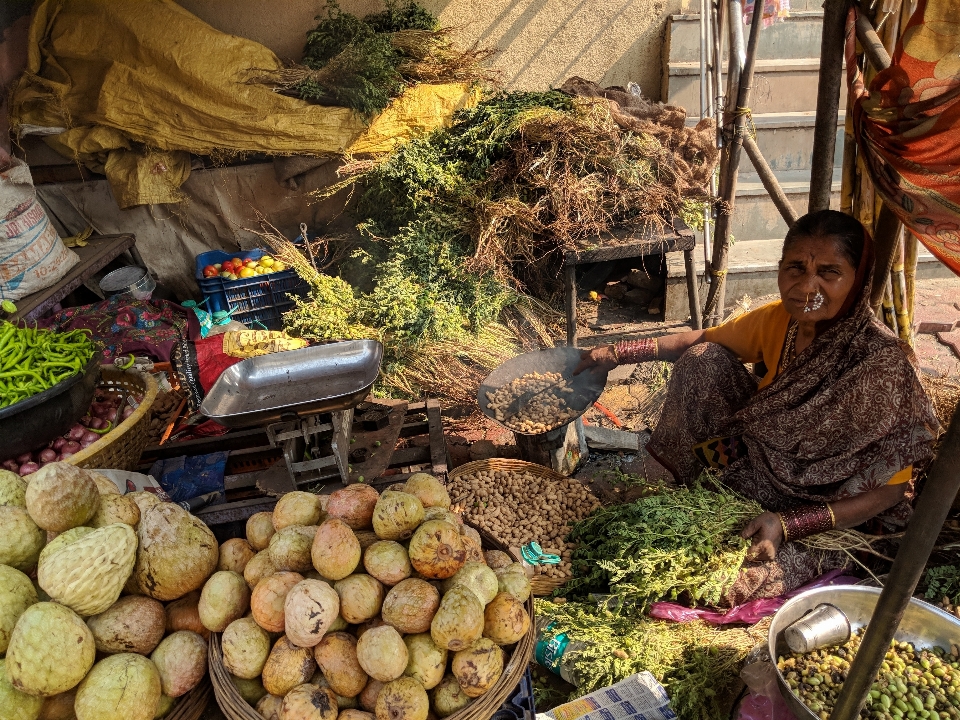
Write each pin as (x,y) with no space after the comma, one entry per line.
(907,126)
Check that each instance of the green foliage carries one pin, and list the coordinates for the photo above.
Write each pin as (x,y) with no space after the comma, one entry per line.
(397,17)
(696,663)
(360,65)
(943,581)
(661,546)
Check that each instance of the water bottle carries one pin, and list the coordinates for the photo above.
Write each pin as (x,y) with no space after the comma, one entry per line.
(556,653)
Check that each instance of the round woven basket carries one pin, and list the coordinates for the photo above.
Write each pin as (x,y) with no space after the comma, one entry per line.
(120,448)
(540,585)
(482,708)
(192,705)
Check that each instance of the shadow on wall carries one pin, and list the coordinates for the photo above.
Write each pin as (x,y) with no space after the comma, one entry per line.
(541,42)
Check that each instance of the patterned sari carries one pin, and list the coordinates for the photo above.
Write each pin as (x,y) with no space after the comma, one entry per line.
(840,420)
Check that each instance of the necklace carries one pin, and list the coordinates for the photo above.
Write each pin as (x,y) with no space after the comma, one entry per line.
(789,353)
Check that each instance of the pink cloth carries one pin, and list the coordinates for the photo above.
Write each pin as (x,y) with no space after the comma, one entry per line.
(750,612)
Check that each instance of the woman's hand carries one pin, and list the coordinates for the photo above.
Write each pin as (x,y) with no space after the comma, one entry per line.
(767,534)
(603,357)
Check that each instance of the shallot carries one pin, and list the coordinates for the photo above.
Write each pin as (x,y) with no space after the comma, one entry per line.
(47,456)
(59,443)
(10,465)
(127,412)
(24,458)
(28,468)
(76,432)
(88,439)
(97,423)
(71,447)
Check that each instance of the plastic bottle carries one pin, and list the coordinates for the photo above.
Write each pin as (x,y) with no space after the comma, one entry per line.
(557,653)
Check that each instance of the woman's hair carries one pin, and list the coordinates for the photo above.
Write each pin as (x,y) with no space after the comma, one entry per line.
(846,231)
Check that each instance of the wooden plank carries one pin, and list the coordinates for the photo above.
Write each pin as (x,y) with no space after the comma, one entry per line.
(238,440)
(438,446)
(99,251)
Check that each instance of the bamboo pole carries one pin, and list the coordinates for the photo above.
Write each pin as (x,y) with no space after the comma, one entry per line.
(736,113)
(889,316)
(899,287)
(911,250)
(872,46)
(769,180)
(885,234)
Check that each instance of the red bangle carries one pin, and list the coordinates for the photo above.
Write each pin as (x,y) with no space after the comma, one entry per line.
(807,520)
(636,351)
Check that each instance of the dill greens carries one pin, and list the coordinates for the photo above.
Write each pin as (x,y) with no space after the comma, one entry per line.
(697,664)
(683,541)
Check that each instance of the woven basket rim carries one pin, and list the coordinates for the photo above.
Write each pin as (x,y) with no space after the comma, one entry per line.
(192,705)
(235,707)
(150,390)
(505,464)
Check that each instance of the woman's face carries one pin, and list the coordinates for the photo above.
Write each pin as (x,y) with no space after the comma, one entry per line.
(815,279)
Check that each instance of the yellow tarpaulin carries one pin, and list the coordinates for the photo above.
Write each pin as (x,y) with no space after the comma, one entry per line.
(130,88)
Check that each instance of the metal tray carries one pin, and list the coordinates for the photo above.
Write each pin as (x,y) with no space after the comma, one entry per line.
(316,379)
(923,625)
(587,386)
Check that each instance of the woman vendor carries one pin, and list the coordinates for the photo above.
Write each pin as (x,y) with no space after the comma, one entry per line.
(828,437)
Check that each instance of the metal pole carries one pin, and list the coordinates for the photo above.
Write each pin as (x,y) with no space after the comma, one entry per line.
(707,69)
(934,504)
(739,76)
(828,103)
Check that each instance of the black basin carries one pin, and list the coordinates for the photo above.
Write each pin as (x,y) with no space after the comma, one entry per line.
(29,424)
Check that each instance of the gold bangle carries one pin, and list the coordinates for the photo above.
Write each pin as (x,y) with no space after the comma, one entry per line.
(833,518)
(783,526)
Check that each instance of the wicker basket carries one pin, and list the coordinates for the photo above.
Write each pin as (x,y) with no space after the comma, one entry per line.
(192,705)
(540,585)
(236,708)
(120,448)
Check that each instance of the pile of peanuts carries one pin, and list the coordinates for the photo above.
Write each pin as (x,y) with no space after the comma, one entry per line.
(517,507)
(543,412)
(164,410)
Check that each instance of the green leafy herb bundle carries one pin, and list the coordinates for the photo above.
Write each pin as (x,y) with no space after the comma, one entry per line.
(683,541)
(698,664)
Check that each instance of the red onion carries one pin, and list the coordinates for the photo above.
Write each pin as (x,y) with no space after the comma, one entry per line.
(97,424)
(89,438)
(71,448)
(127,412)
(59,443)
(47,456)
(24,458)
(28,468)
(10,465)
(76,432)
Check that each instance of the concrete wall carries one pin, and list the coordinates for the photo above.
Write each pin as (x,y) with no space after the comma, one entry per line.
(541,42)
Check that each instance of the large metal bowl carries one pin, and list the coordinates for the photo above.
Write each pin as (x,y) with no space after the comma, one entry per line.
(923,625)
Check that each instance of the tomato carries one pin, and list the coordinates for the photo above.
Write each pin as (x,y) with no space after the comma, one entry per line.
(210,271)
(237,262)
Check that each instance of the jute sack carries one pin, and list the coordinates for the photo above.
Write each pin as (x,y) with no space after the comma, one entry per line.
(32,255)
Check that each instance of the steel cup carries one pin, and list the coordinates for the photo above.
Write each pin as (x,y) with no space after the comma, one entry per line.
(824,626)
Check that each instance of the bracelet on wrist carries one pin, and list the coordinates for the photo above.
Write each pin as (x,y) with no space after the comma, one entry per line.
(636,351)
(807,520)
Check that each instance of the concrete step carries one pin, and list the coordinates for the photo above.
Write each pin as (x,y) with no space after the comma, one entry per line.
(754,215)
(780,86)
(786,140)
(752,270)
(797,36)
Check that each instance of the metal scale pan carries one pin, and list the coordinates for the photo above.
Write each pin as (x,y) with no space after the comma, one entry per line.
(309,381)
(305,398)
(587,386)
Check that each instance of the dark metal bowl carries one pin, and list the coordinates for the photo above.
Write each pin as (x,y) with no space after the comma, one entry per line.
(27,425)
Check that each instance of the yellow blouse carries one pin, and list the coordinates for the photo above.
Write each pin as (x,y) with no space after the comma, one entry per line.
(759,336)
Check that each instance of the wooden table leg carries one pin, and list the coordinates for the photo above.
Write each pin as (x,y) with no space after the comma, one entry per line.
(693,293)
(570,292)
